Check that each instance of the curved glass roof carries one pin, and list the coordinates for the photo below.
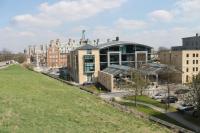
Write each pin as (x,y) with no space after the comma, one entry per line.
(114,43)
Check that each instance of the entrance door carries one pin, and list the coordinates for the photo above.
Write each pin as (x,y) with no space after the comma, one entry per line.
(89,77)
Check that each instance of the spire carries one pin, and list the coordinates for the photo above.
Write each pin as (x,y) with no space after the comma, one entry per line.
(83,35)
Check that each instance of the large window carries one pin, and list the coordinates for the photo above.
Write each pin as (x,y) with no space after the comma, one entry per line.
(89,66)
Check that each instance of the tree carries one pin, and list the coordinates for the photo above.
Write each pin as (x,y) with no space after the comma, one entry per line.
(139,83)
(20,57)
(5,55)
(162,49)
(194,95)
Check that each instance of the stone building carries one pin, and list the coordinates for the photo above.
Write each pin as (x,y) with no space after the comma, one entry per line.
(84,64)
(186,58)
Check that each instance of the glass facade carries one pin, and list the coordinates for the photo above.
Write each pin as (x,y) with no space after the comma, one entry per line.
(89,63)
(127,54)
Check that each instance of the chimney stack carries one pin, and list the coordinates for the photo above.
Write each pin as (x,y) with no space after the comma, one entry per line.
(197,34)
(117,38)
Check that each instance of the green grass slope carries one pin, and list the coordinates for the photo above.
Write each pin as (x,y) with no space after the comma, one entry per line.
(33,103)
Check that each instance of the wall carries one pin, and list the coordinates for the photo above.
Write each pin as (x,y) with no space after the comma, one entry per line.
(190,66)
(82,76)
(106,80)
(179,60)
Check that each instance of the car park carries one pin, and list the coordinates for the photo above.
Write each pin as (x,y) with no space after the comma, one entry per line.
(169,99)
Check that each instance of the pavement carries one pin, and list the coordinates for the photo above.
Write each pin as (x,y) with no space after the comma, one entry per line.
(110,95)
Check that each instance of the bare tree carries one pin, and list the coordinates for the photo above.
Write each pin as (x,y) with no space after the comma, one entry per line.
(139,83)
(6,55)
(163,49)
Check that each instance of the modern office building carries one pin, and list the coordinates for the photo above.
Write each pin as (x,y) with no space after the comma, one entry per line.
(123,53)
(186,58)
(84,64)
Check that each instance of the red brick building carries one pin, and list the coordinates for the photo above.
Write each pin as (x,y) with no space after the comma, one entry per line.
(53,55)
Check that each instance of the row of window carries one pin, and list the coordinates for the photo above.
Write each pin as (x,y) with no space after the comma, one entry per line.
(194,69)
(194,62)
(193,55)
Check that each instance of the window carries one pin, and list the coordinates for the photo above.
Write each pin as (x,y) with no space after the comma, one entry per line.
(187,78)
(197,55)
(89,58)
(89,65)
(197,69)
(187,62)
(193,69)
(193,61)
(187,55)
(193,55)
(197,61)
(187,69)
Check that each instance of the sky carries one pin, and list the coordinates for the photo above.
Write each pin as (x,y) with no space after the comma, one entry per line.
(151,22)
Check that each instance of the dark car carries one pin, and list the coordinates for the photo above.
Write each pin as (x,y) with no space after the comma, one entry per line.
(169,99)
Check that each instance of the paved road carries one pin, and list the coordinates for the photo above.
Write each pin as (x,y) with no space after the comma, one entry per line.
(174,115)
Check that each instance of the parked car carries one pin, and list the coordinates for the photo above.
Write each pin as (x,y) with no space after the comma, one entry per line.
(159,96)
(169,99)
(185,107)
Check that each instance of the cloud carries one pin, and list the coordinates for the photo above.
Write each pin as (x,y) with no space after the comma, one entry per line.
(161,15)
(187,9)
(103,33)
(162,37)
(28,20)
(65,11)
(15,40)
(130,24)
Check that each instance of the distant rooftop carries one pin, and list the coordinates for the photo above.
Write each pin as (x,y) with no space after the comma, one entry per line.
(86,47)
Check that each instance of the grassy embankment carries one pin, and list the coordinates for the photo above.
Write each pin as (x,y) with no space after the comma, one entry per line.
(32,102)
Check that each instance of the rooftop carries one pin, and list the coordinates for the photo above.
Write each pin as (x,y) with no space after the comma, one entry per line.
(86,47)
(111,43)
